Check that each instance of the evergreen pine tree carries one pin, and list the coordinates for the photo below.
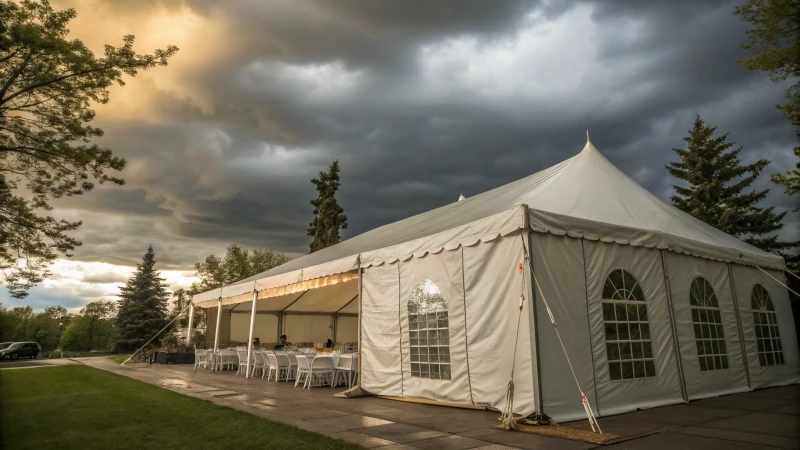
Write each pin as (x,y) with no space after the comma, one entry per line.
(143,307)
(328,215)
(716,189)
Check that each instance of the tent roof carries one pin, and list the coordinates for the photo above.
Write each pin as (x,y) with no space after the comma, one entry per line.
(584,196)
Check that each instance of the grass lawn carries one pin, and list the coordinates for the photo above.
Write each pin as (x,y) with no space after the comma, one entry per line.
(119,359)
(79,407)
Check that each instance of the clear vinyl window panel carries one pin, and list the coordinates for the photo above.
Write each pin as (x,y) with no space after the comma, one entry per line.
(429,332)
(627,328)
(768,338)
(707,322)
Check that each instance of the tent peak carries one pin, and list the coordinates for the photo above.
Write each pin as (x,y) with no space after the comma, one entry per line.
(587,136)
(589,147)
(461,197)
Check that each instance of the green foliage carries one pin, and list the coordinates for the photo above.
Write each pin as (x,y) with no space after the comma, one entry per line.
(173,343)
(329,217)
(119,359)
(716,189)
(98,409)
(775,48)
(22,324)
(180,307)
(143,305)
(93,329)
(198,337)
(236,265)
(48,84)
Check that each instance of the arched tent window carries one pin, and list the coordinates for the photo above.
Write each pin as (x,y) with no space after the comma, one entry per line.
(628,344)
(768,338)
(429,332)
(707,322)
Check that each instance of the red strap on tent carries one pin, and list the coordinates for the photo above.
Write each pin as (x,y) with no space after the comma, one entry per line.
(520,267)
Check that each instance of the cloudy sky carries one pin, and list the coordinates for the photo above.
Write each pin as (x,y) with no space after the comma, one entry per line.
(420,101)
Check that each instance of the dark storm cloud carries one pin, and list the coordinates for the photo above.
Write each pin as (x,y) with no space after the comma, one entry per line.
(411,98)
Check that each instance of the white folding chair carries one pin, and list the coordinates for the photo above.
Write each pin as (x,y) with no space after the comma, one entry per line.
(278,367)
(227,358)
(285,361)
(200,359)
(320,371)
(302,370)
(344,370)
(244,368)
(267,364)
(258,362)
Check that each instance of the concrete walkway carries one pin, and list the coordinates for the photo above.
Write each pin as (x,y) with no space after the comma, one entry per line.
(764,419)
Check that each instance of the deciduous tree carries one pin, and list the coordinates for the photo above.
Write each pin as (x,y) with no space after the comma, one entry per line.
(774,47)
(48,85)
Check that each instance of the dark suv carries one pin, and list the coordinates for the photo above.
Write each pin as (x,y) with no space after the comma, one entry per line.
(21,350)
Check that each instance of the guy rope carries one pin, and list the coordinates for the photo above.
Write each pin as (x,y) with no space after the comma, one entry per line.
(584,401)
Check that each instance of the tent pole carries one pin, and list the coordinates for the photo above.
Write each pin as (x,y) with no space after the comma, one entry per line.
(191,321)
(250,335)
(539,400)
(589,324)
(334,318)
(675,342)
(739,327)
(216,333)
(360,300)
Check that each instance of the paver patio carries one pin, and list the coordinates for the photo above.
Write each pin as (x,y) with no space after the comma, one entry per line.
(768,418)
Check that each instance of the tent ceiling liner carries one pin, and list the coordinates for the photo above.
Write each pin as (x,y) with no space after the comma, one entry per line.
(585,196)
(289,291)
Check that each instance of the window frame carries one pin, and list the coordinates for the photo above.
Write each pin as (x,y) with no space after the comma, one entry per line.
(770,323)
(709,331)
(429,355)
(639,348)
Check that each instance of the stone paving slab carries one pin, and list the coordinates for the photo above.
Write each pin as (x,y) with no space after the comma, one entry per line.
(760,422)
(681,414)
(353,421)
(400,433)
(752,403)
(793,409)
(679,441)
(790,392)
(448,443)
(445,424)
(624,427)
(741,436)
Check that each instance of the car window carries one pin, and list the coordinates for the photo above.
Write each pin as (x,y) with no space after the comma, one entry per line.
(14,346)
(4,345)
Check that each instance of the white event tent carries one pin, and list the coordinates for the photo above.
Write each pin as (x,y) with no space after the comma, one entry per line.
(653,306)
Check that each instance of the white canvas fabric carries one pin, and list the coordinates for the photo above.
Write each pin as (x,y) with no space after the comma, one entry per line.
(712,381)
(445,271)
(584,196)
(265,327)
(619,396)
(307,328)
(559,266)
(493,286)
(347,329)
(381,367)
(745,278)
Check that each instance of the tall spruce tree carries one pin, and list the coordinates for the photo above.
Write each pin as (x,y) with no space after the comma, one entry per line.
(716,191)
(328,215)
(143,307)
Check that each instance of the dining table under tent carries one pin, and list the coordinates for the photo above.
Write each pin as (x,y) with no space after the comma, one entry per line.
(636,304)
